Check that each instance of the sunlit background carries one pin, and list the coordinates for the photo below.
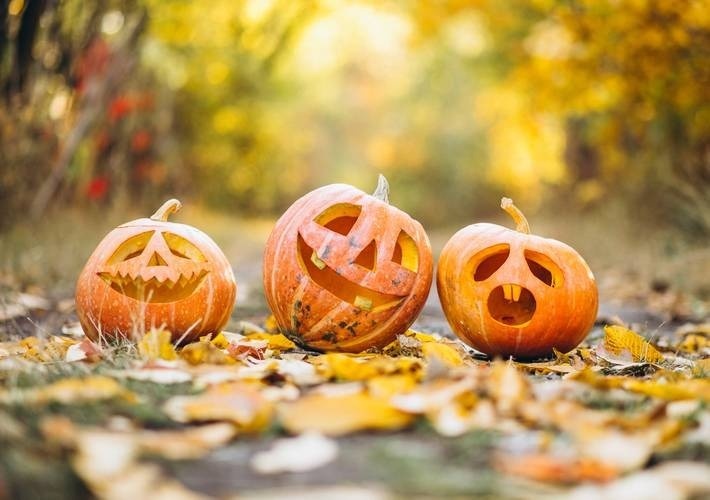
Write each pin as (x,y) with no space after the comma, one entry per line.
(242,106)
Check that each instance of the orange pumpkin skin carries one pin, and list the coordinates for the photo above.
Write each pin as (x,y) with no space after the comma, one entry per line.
(508,293)
(153,273)
(346,271)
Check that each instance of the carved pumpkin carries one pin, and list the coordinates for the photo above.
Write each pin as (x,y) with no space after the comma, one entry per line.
(510,293)
(344,270)
(153,273)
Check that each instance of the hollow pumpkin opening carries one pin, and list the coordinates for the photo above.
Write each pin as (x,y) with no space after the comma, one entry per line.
(511,305)
(490,260)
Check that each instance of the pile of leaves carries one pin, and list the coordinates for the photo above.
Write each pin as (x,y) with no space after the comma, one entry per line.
(621,418)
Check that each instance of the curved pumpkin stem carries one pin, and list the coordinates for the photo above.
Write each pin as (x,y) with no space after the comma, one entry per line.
(166,209)
(382,192)
(521,223)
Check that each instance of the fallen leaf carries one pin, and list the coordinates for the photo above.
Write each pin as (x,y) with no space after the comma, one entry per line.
(156,344)
(621,341)
(308,451)
(339,415)
(72,391)
(443,353)
(236,402)
(204,351)
(554,469)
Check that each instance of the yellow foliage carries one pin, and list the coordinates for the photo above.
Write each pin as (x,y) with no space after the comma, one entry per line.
(156,344)
(619,341)
(338,415)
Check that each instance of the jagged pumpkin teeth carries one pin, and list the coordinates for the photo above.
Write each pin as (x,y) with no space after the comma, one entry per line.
(155,267)
(344,270)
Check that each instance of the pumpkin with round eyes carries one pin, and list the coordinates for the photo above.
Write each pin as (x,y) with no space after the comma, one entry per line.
(344,270)
(510,293)
(154,273)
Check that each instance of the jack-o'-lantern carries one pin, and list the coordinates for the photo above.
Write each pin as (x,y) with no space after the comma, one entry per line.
(344,270)
(154,273)
(510,293)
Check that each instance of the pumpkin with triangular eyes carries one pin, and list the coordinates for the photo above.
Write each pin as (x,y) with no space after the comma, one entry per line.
(344,270)
(510,293)
(151,273)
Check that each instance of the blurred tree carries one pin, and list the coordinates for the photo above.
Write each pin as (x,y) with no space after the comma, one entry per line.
(624,87)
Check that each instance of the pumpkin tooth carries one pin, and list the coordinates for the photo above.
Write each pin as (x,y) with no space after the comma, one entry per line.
(316,261)
(363,303)
(508,292)
(517,289)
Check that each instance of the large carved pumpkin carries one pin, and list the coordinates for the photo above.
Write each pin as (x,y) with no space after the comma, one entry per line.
(344,270)
(508,292)
(153,273)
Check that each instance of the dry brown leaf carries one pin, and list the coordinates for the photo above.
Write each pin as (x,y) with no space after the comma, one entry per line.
(339,415)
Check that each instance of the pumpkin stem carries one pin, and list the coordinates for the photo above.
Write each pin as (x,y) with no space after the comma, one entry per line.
(166,209)
(521,223)
(382,192)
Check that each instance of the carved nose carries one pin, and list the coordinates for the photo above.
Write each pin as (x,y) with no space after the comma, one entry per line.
(156,260)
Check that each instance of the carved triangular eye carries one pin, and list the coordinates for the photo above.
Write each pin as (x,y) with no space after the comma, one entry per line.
(340,217)
(489,261)
(130,248)
(368,256)
(544,269)
(182,248)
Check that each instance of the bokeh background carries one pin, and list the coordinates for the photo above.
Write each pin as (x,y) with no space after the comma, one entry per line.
(594,115)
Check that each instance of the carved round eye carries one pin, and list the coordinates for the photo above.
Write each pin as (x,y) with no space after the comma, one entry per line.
(340,217)
(544,269)
(489,261)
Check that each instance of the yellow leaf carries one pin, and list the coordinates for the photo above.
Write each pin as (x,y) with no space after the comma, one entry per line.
(619,340)
(671,391)
(507,385)
(339,415)
(205,352)
(386,386)
(220,341)
(270,325)
(276,341)
(444,353)
(75,390)
(362,367)
(156,345)
(234,402)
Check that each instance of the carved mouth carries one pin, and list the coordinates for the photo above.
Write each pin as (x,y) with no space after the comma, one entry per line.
(153,290)
(344,289)
(511,304)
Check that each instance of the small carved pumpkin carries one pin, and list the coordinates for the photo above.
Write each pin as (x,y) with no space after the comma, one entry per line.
(510,293)
(344,270)
(153,273)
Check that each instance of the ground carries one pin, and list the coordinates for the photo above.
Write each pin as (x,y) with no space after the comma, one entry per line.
(428,417)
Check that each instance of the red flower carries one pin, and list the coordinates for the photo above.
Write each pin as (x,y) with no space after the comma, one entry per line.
(97,188)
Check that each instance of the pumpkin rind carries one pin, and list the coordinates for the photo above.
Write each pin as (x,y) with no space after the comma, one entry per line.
(189,295)
(334,298)
(562,313)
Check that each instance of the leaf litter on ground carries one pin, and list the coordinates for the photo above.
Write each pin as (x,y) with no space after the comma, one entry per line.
(596,415)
